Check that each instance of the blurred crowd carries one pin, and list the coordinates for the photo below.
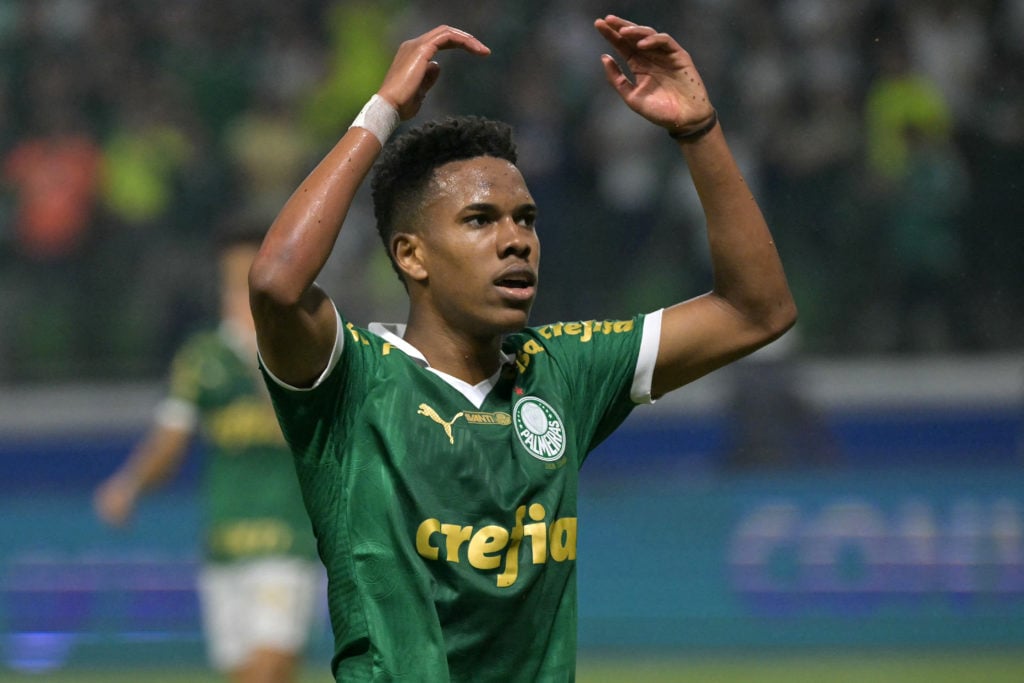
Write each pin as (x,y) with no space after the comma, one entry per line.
(884,139)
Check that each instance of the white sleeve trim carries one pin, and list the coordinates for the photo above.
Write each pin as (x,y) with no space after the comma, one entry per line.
(175,413)
(339,346)
(643,377)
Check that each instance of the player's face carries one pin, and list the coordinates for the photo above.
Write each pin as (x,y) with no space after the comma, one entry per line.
(480,248)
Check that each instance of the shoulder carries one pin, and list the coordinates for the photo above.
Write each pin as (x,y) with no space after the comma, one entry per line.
(354,361)
(202,343)
(376,336)
(191,363)
(370,346)
(197,349)
(578,332)
(201,352)
(574,339)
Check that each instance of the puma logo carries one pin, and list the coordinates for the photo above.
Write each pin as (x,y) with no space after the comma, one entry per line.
(427,411)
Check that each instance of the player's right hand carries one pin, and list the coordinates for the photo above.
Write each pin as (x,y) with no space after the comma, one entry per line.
(114,501)
(413,72)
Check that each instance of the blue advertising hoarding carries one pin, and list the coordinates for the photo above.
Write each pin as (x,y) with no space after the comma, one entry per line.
(913,537)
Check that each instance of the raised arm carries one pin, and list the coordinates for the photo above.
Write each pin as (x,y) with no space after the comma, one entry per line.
(750,303)
(294,318)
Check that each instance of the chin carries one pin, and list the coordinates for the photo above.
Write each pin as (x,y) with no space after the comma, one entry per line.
(513,320)
(515,325)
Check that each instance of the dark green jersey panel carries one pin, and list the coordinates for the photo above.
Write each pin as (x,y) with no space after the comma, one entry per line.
(448,527)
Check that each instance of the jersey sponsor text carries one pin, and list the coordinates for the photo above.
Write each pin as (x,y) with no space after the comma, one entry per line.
(585,330)
(486,547)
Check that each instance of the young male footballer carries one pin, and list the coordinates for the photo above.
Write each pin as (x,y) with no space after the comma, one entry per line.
(438,459)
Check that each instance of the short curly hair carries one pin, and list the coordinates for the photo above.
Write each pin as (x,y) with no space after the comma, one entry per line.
(407,163)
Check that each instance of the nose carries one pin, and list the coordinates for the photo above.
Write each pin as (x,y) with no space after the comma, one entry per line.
(515,239)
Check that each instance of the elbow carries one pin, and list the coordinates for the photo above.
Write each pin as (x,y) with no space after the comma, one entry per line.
(779,319)
(786,314)
(269,287)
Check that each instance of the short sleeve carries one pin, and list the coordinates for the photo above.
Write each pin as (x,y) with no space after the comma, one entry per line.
(311,418)
(605,366)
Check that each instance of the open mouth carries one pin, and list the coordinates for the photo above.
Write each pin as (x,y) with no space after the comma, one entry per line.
(514,282)
(518,283)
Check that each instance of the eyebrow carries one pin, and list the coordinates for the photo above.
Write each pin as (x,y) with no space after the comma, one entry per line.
(486,206)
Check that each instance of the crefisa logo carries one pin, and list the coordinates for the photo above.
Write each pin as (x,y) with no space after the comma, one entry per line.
(539,428)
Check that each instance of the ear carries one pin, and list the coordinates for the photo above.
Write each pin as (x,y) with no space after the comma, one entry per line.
(407,251)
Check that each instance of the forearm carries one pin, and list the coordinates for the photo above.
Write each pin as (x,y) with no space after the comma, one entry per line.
(152,462)
(750,303)
(748,273)
(295,320)
(155,459)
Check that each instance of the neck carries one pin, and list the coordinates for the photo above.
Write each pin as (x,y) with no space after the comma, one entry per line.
(470,358)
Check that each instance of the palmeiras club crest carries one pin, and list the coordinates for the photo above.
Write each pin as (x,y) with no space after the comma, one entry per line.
(539,428)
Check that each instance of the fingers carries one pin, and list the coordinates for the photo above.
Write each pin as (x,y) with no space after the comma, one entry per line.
(433,72)
(448,37)
(612,34)
(616,23)
(414,71)
(629,38)
(658,42)
(617,79)
(617,29)
(655,76)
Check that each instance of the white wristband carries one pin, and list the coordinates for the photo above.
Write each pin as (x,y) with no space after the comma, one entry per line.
(378,117)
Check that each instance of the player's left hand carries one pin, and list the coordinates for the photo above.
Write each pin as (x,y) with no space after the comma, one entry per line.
(666,88)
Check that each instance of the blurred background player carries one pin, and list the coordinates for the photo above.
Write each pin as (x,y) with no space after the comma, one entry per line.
(260,579)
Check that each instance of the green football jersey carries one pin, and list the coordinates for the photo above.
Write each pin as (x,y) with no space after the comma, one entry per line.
(252,502)
(445,514)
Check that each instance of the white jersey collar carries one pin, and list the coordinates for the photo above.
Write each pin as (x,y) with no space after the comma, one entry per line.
(394,334)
